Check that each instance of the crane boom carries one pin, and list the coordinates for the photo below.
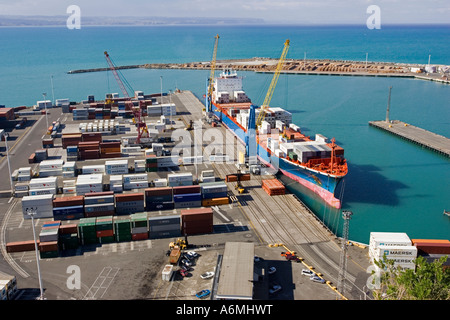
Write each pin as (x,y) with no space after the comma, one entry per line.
(273,84)
(141,126)
(211,76)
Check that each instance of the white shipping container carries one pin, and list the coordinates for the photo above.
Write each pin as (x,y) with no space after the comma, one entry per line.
(22,186)
(160,183)
(389,239)
(69,183)
(69,166)
(93,169)
(135,185)
(69,190)
(393,251)
(173,177)
(38,192)
(40,183)
(135,177)
(51,164)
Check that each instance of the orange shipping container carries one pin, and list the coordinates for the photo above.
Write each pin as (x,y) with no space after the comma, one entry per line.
(215,202)
(20,246)
(231,178)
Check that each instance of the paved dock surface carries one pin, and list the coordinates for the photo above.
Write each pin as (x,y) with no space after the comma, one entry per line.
(415,134)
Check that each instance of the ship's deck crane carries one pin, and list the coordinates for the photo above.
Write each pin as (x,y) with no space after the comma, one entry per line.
(273,84)
(141,126)
(211,77)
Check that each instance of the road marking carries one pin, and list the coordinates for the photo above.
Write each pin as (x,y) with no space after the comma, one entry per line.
(101,284)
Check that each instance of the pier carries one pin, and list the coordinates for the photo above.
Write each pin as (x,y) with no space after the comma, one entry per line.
(417,135)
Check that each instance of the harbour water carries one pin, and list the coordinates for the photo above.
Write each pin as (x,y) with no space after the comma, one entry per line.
(392,185)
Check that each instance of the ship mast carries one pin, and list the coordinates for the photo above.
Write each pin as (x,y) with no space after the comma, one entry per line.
(333,146)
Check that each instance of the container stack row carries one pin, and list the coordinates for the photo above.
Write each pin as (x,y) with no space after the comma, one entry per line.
(91,201)
(55,237)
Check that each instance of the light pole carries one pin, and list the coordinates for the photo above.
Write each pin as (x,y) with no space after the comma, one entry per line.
(45,106)
(32,213)
(6,135)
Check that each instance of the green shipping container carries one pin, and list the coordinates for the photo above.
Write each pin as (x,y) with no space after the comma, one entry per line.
(139,220)
(123,237)
(49,254)
(68,241)
(104,223)
(106,239)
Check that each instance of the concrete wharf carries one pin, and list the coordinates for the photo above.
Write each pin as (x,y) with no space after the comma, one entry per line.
(281,219)
(417,135)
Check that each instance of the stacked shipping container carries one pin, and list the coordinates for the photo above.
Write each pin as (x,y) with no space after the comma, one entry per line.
(129,203)
(196,221)
(159,198)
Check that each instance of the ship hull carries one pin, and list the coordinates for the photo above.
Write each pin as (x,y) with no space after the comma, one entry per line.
(321,184)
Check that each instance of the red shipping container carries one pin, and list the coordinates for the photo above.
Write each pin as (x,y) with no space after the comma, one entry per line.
(200,214)
(68,201)
(139,236)
(97,194)
(187,189)
(125,197)
(99,214)
(68,228)
(432,248)
(48,246)
(105,233)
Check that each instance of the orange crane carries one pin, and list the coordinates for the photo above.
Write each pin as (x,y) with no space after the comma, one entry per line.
(140,123)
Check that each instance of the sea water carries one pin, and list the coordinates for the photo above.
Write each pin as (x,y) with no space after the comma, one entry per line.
(392,185)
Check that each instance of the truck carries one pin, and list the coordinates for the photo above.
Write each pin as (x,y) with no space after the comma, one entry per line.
(22,123)
(175,254)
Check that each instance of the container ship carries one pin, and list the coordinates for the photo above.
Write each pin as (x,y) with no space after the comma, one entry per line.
(318,164)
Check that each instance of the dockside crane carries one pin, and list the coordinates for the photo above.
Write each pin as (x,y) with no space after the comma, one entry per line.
(140,124)
(211,76)
(272,86)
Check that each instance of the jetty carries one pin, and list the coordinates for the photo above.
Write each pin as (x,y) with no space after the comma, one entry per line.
(417,135)
(325,67)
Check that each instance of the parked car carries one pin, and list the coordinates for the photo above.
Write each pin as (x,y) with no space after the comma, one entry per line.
(203,294)
(272,270)
(192,254)
(274,289)
(207,275)
(186,262)
(257,259)
(317,279)
(307,272)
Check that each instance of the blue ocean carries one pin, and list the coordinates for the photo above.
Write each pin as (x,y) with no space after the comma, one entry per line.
(392,185)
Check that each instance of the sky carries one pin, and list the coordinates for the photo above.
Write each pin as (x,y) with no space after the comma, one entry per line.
(271,11)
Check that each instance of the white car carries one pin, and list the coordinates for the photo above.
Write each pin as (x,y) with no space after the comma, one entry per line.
(307,272)
(317,279)
(192,254)
(207,275)
(272,270)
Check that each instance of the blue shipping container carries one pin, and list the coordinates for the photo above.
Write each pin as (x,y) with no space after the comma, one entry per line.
(187,197)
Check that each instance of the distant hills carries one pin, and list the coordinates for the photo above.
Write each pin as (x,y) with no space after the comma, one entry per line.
(25,21)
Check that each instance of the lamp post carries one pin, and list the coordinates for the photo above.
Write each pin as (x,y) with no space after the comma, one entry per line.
(32,213)
(6,135)
(45,106)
